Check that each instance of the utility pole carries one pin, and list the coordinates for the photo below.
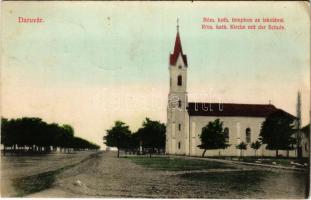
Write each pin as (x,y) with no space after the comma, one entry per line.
(298,125)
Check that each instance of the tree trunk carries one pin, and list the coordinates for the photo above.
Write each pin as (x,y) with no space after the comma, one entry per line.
(287,153)
(4,151)
(277,153)
(203,153)
(118,153)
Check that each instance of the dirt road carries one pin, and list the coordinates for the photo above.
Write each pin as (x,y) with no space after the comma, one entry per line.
(20,166)
(108,176)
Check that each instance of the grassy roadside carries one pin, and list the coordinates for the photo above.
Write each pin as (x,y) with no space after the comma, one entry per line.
(236,183)
(239,182)
(177,164)
(286,162)
(36,183)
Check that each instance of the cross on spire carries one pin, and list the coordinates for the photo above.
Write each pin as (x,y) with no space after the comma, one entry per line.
(177,24)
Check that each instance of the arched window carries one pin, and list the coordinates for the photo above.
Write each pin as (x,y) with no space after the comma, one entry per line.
(226,134)
(179,80)
(179,103)
(248,135)
(178,145)
(179,127)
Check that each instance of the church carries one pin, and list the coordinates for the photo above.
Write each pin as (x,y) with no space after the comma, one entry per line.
(185,120)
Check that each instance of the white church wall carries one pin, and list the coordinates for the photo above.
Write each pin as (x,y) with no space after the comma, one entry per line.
(187,135)
(237,133)
(180,133)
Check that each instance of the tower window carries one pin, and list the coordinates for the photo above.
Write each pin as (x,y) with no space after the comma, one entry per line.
(179,103)
(179,80)
(179,127)
(226,134)
(248,135)
(178,145)
(179,66)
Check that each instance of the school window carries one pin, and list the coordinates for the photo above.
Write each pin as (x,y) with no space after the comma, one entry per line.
(178,145)
(248,135)
(226,134)
(179,127)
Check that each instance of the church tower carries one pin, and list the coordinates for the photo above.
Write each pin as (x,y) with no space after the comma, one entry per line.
(177,129)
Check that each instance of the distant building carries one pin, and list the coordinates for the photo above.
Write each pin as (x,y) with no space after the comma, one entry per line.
(242,122)
(111,149)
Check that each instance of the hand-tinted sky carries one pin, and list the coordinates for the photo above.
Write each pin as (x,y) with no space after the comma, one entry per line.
(91,63)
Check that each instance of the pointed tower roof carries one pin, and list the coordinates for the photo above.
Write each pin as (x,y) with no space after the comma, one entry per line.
(177,50)
(177,47)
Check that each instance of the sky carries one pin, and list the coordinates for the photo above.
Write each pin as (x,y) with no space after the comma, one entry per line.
(92,63)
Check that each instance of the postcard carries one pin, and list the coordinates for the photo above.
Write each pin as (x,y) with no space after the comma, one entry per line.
(145,99)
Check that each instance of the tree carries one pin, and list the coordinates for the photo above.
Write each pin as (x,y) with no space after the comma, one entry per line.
(118,136)
(134,142)
(152,135)
(277,131)
(66,136)
(4,133)
(213,137)
(256,145)
(242,146)
(31,134)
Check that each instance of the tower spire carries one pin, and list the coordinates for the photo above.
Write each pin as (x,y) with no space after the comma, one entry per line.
(177,49)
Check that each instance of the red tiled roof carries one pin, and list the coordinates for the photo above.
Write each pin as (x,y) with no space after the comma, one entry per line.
(231,109)
(177,51)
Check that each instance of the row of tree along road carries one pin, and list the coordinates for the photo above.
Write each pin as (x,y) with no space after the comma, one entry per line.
(32,135)
(150,138)
(277,132)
